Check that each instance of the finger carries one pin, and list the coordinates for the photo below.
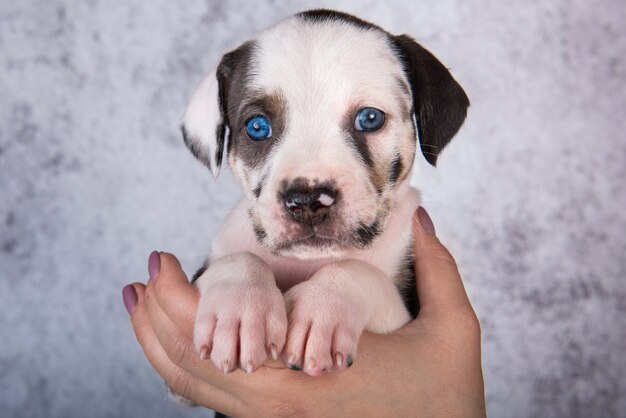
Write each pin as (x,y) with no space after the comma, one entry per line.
(181,382)
(177,345)
(175,295)
(439,283)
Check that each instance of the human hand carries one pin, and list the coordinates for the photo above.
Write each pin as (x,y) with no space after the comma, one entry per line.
(430,367)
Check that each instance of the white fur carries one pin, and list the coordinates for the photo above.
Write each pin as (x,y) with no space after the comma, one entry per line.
(239,307)
(333,68)
(331,294)
(202,118)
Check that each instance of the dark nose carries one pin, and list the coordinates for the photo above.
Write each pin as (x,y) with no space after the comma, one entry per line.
(310,206)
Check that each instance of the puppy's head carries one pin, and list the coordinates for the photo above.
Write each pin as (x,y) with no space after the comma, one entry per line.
(320,117)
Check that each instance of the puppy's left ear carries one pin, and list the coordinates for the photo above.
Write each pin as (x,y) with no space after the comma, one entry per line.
(439,102)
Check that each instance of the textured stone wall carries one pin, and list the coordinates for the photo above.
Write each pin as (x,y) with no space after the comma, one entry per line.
(93,176)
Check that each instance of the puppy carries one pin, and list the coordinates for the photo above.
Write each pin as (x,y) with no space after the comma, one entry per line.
(319,117)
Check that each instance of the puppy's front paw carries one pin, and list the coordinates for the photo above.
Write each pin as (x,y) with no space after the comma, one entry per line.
(325,323)
(240,321)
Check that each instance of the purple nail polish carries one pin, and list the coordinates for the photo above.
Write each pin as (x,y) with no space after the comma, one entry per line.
(425,221)
(154,264)
(129,295)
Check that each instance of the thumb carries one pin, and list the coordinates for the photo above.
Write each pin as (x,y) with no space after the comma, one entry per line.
(439,284)
(175,295)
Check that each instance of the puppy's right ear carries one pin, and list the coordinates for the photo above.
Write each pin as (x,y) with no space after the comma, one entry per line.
(204,126)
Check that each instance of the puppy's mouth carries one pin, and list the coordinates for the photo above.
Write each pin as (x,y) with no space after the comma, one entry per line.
(340,231)
(320,242)
(311,240)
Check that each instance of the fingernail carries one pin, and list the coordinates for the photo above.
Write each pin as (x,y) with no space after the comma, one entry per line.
(274,351)
(425,221)
(129,295)
(154,264)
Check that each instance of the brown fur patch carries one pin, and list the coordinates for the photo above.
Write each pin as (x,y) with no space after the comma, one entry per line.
(254,153)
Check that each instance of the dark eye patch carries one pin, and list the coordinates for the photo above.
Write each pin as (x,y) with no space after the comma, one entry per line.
(254,153)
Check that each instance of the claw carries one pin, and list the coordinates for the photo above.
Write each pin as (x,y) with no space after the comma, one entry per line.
(249,367)
(339,359)
(204,352)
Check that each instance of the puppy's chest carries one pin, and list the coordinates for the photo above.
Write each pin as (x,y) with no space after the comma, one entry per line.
(289,272)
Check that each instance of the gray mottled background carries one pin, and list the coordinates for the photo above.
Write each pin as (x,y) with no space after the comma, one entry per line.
(93,176)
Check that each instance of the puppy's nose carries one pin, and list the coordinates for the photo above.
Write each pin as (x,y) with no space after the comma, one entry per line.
(310,206)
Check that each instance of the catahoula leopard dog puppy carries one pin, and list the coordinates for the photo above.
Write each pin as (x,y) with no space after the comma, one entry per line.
(320,118)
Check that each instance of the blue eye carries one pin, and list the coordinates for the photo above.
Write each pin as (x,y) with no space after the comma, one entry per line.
(258,128)
(369,119)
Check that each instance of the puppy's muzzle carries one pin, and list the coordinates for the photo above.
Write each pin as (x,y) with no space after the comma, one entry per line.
(310,206)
